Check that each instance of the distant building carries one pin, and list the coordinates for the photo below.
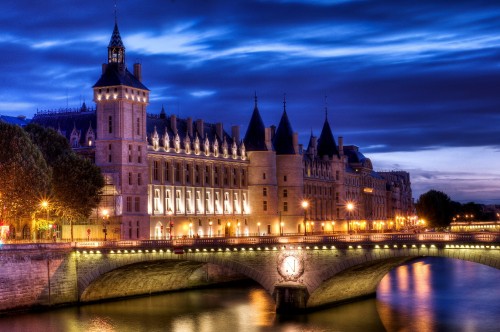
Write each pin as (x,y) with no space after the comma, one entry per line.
(167,176)
(15,120)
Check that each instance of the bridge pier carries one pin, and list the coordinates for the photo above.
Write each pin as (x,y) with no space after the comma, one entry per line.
(290,298)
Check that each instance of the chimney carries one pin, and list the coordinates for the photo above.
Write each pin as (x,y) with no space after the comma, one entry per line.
(296,142)
(190,126)
(173,123)
(341,145)
(267,136)
(235,130)
(200,128)
(138,71)
(219,130)
(104,67)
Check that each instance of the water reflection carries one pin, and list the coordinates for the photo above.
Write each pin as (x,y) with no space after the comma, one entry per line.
(438,294)
(425,295)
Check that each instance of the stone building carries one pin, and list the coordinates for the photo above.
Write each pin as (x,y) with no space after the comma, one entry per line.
(167,176)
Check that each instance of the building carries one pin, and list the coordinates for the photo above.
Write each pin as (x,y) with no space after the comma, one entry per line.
(167,176)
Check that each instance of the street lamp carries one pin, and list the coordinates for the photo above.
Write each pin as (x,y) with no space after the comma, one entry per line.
(281,228)
(258,228)
(45,205)
(322,227)
(105,216)
(228,229)
(350,207)
(305,205)
(333,226)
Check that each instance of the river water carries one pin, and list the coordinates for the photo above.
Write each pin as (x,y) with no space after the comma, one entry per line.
(429,294)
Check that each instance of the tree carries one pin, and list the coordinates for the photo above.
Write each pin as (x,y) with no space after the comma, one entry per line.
(436,207)
(77,183)
(24,175)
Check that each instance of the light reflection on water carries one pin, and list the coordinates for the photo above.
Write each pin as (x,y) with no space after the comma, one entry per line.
(440,295)
(424,295)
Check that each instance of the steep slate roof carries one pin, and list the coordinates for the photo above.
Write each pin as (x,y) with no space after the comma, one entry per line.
(163,124)
(326,142)
(64,122)
(283,140)
(255,137)
(113,75)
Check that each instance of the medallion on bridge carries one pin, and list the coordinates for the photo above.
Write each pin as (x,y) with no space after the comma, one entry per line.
(290,266)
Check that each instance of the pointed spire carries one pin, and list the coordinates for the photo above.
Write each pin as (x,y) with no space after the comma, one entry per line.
(326,142)
(284,102)
(283,140)
(255,97)
(163,114)
(255,137)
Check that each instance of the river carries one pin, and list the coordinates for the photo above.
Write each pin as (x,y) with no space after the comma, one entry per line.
(428,294)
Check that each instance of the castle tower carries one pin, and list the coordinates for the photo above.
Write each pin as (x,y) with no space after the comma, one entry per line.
(262,183)
(290,178)
(121,146)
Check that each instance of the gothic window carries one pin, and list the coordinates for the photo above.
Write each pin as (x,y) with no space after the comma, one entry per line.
(264,191)
(110,154)
(130,178)
(178,201)
(226,202)
(156,170)
(168,201)
(199,205)
(177,172)
(139,154)
(207,175)
(264,206)
(138,126)
(129,204)
(207,202)
(285,193)
(166,171)
(189,203)
(285,206)
(137,204)
(130,153)
(157,200)
(139,179)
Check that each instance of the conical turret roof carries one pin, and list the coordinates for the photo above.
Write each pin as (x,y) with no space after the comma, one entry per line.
(255,137)
(326,142)
(283,140)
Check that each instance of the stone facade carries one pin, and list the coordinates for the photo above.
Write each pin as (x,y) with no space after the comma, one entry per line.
(167,176)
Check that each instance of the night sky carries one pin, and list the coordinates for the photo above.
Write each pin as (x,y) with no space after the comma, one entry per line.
(414,84)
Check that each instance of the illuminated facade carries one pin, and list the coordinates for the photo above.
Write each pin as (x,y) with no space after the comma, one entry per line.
(167,176)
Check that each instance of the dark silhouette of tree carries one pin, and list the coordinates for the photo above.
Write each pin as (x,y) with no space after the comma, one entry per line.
(77,183)
(24,175)
(436,208)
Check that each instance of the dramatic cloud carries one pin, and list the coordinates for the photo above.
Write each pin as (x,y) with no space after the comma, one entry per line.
(409,83)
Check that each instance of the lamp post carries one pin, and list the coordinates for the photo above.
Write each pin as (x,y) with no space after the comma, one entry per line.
(45,205)
(350,207)
(312,227)
(333,226)
(228,229)
(190,229)
(105,216)
(281,228)
(305,205)
(323,227)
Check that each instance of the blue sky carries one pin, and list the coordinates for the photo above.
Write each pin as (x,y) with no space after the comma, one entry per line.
(414,84)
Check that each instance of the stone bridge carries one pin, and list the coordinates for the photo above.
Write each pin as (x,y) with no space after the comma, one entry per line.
(300,272)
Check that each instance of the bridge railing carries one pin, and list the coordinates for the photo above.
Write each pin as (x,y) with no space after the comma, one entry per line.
(368,238)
